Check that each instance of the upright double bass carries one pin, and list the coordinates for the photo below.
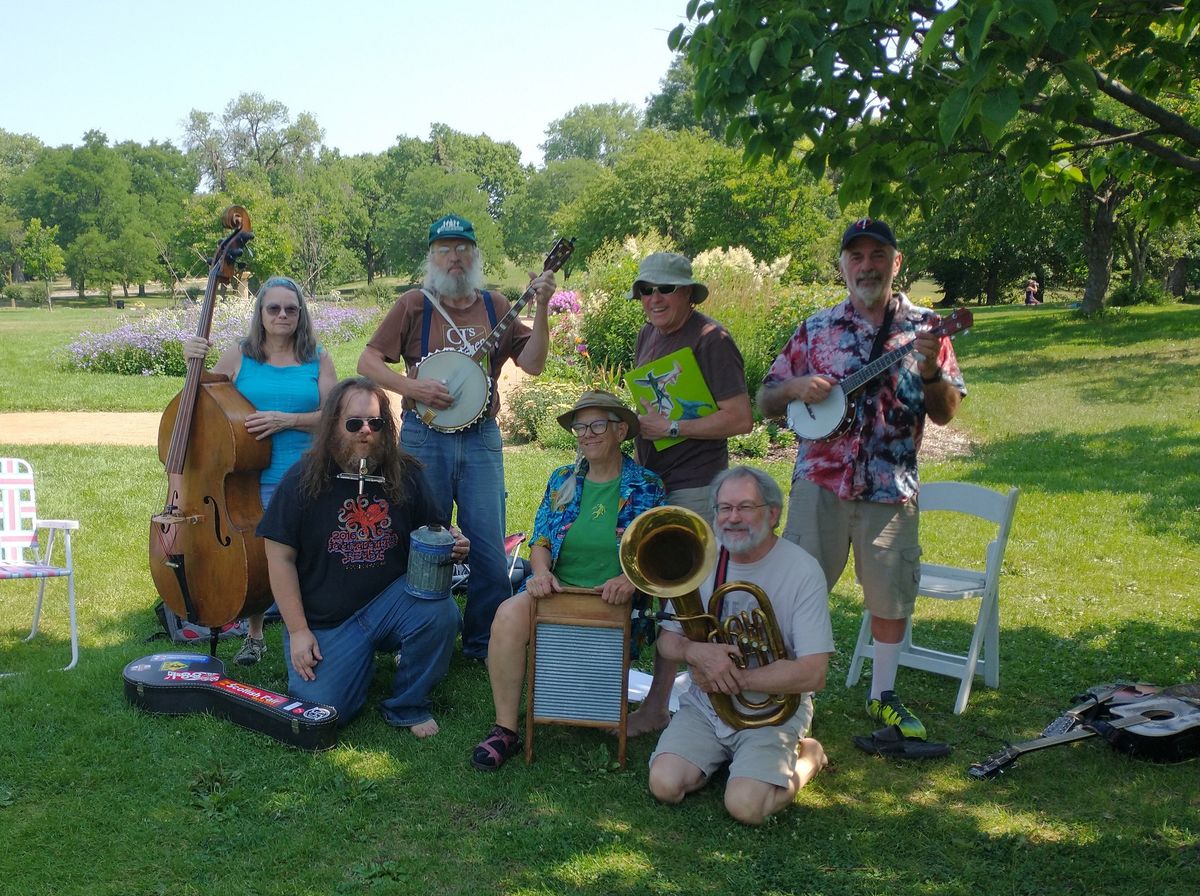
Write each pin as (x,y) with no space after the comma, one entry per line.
(205,560)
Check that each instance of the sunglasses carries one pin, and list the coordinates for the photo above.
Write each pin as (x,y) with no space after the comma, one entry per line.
(286,310)
(354,424)
(646,289)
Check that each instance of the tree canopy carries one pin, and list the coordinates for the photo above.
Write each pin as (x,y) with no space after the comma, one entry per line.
(905,98)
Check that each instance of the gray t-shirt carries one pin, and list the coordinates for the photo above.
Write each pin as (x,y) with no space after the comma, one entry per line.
(795,585)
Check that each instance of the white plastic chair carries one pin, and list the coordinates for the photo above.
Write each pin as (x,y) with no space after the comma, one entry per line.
(21,555)
(956,583)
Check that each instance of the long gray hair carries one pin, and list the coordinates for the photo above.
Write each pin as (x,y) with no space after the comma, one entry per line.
(566,493)
(304,340)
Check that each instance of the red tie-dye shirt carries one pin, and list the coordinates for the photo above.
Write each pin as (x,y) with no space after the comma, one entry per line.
(875,459)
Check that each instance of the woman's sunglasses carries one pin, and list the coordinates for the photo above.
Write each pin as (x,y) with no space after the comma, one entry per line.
(354,424)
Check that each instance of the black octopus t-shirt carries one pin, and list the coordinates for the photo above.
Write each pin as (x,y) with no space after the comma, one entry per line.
(349,547)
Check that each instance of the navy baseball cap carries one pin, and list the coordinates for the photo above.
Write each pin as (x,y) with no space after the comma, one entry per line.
(451,227)
(876,230)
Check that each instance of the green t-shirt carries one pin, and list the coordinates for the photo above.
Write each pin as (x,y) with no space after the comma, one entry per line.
(588,557)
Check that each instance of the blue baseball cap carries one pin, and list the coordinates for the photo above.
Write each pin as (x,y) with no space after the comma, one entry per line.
(451,227)
(869,227)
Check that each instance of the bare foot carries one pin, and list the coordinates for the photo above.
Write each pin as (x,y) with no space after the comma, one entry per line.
(425,729)
(810,759)
(646,721)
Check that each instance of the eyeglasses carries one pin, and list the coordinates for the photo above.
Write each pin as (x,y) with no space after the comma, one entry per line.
(598,427)
(646,289)
(354,424)
(286,310)
(457,248)
(744,508)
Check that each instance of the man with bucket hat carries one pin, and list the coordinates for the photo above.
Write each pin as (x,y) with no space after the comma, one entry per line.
(669,295)
(859,489)
(465,467)
(576,535)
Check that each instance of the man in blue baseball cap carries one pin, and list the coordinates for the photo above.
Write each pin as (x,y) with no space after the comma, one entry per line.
(458,442)
(858,489)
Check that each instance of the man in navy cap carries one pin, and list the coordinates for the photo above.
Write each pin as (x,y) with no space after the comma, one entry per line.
(859,489)
(452,310)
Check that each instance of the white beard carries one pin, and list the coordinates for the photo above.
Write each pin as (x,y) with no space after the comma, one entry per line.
(454,285)
(743,541)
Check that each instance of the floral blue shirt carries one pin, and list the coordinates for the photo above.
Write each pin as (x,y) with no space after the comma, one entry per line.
(640,490)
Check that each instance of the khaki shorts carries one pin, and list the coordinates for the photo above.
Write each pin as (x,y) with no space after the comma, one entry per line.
(885,537)
(762,754)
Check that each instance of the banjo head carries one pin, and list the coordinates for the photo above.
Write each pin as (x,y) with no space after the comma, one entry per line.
(470,386)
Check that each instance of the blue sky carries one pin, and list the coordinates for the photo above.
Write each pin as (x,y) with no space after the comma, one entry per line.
(369,71)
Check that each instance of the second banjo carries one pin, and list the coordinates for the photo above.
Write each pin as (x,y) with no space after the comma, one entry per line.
(463,373)
(830,417)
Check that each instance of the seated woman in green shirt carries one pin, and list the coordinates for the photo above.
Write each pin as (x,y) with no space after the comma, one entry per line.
(576,536)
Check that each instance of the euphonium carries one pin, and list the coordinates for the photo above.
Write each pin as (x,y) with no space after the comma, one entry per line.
(667,553)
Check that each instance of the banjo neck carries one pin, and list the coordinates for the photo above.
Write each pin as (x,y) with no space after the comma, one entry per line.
(489,344)
(554,261)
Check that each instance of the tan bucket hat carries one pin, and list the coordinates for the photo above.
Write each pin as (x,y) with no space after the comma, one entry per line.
(598,398)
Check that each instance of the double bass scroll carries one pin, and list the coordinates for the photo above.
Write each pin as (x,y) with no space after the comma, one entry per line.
(205,560)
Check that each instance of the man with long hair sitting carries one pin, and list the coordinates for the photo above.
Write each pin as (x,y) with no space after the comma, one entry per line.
(337,542)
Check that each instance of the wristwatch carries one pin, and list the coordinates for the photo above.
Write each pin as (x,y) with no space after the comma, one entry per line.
(930,380)
(673,430)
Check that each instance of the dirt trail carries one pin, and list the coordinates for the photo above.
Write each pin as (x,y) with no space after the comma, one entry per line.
(101,428)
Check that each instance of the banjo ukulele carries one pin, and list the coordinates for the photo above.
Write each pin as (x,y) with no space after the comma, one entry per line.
(832,415)
(462,372)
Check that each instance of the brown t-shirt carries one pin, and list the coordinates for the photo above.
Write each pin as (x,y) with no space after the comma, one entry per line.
(399,335)
(693,463)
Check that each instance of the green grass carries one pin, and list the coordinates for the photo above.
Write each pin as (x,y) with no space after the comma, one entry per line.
(1097,423)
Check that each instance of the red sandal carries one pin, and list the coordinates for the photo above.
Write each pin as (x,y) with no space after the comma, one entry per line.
(496,749)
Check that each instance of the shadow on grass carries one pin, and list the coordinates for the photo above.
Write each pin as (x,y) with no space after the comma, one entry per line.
(1158,464)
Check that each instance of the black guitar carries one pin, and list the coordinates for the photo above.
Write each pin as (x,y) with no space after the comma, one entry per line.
(1159,725)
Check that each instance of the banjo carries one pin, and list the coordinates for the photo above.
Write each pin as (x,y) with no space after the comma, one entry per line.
(462,372)
(831,416)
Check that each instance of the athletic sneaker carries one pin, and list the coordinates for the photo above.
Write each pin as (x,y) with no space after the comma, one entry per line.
(888,710)
(496,749)
(252,651)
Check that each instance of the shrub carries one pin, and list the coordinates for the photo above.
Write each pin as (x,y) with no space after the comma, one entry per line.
(755,443)
(33,293)
(1147,294)
(531,401)
(512,293)
(379,293)
(550,434)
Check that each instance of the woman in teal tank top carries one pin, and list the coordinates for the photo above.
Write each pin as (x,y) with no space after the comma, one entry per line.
(281,370)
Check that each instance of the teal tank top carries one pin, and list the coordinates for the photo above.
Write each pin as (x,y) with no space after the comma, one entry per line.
(292,390)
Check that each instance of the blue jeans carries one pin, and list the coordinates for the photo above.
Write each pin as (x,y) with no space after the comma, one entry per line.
(467,468)
(422,630)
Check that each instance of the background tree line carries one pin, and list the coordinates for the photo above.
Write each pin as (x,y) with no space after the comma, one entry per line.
(720,156)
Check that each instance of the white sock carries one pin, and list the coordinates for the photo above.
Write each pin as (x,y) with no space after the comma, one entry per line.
(883,668)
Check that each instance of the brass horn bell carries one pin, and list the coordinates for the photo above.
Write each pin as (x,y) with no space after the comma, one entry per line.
(668,552)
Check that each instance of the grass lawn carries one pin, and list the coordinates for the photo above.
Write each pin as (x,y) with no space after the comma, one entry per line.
(1098,423)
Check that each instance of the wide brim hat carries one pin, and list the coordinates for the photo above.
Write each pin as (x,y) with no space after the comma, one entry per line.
(869,227)
(598,398)
(668,269)
(451,227)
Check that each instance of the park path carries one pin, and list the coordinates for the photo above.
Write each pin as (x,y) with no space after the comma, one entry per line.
(104,428)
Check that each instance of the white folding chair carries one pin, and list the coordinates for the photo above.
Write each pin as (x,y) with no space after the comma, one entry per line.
(21,555)
(956,583)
